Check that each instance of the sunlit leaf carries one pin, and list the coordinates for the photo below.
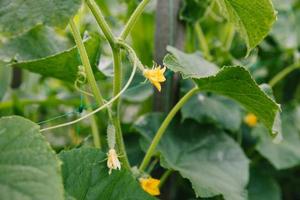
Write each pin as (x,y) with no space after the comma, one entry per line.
(233,82)
(39,42)
(64,65)
(17,16)
(252,18)
(189,65)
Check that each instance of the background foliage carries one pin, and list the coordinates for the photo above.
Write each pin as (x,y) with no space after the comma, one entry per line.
(212,152)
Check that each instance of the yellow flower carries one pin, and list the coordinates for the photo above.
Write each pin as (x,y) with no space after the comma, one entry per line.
(113,161)
(150,185)
(250,119)
(155,76)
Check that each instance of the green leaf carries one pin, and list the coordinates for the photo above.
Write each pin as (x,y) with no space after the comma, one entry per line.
(252,18)
(18,16)
(212,109)
(5,78)
(138,93)
(64,65)
(29,169)
(233,82)
(189,65)
(262,186)
(86,176)
(237,83)
(210,159)
(193,10)
(287,153)
(39,42)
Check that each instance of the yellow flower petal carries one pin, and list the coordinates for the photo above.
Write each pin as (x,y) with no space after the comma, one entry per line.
(250,119)
(155,76)
(157,85)
(150,185)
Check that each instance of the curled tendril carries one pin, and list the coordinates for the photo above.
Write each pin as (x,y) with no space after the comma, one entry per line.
(132,54)
(81,80)
(136,63)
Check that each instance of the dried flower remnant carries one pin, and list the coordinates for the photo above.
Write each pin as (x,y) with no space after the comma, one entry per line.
(113,161)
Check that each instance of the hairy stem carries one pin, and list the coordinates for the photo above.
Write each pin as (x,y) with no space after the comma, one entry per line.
(284,73)
(133,18)
(101,21)
(114,113)
(86,63)
(115,106)
(164,177)
(94,125)
(202,40)
(98,109)
(229,36)
(164,126)
(90,77)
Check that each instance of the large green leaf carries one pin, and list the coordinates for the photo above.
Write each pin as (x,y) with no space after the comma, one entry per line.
(37,43)
(287,153)
(237,83)
(210,159)
(138,93)
(212,109)
(18,15)
(233,82)
(262,186)
(252,18)
(86,176)
(64,65)
(189,65)
(29,169)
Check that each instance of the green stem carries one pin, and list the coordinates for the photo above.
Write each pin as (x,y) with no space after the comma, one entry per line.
(284,73)
(117,72)
(133,18)
(101,21)
(152,165)
(94,126)
(203,42)
(229,36)
(164,177)
(90,77)
(114,114)
(86,63)
(115,106)
(164,126)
